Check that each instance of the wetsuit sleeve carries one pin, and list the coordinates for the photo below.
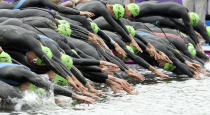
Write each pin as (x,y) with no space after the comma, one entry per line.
(82,19)
(87,62)
(106,37)
(141,39)
(134,57)
(177,54)
(116,26)
(79,75)
(82,54)
(142,45)
(90,69)
(123,26)
(80,29)
(96,77)
(60,8)
(200,28)
(66,48)
(79,32)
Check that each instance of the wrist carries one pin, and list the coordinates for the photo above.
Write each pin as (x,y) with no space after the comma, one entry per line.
(74,95)
(115,45)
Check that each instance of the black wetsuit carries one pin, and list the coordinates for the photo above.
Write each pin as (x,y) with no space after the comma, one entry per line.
(15,75)
(32,12)
(135,58)
(99,9)
(175,24)
(168,9)
(40,4)
(165,46)
(21,40)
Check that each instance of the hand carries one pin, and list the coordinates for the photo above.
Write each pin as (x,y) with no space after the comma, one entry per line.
(105,63)
(97,41)
(94,90)
(200,48)
(152,51)
(133,42)
(84,99)
(161,75)
(134,75)
(116,88)
(82,89)
(1,49)
(0,100)
(165,57)
(196,76)
(199,68)
(198,35)
(124,84)
(119,50)
(114,67)
(85,13)
(107,70)
(154,54)
(189,64)
(71,83)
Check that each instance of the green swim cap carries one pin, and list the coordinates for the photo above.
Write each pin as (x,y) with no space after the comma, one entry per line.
(64,29)
(134,49)
(60,81)
(169,67)
(119,11)
(191,49)
(131,30)
(39,91)
(94,26)
(208,30)
(63,22)
(5,57)
(131,50)
(67,60)
(48,52)
(134,9)
(194,18)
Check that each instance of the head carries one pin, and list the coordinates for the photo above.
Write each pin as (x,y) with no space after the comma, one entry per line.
(32,58)
(67,60)
(5,57)
(208,30)
(191,49)
(131,30)
(116,10)
(131,10)
(64,29)
(56,1)
(131,50)
(94,26)
(194,18)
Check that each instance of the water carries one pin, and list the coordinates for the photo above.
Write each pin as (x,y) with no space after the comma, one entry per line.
(187,97)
